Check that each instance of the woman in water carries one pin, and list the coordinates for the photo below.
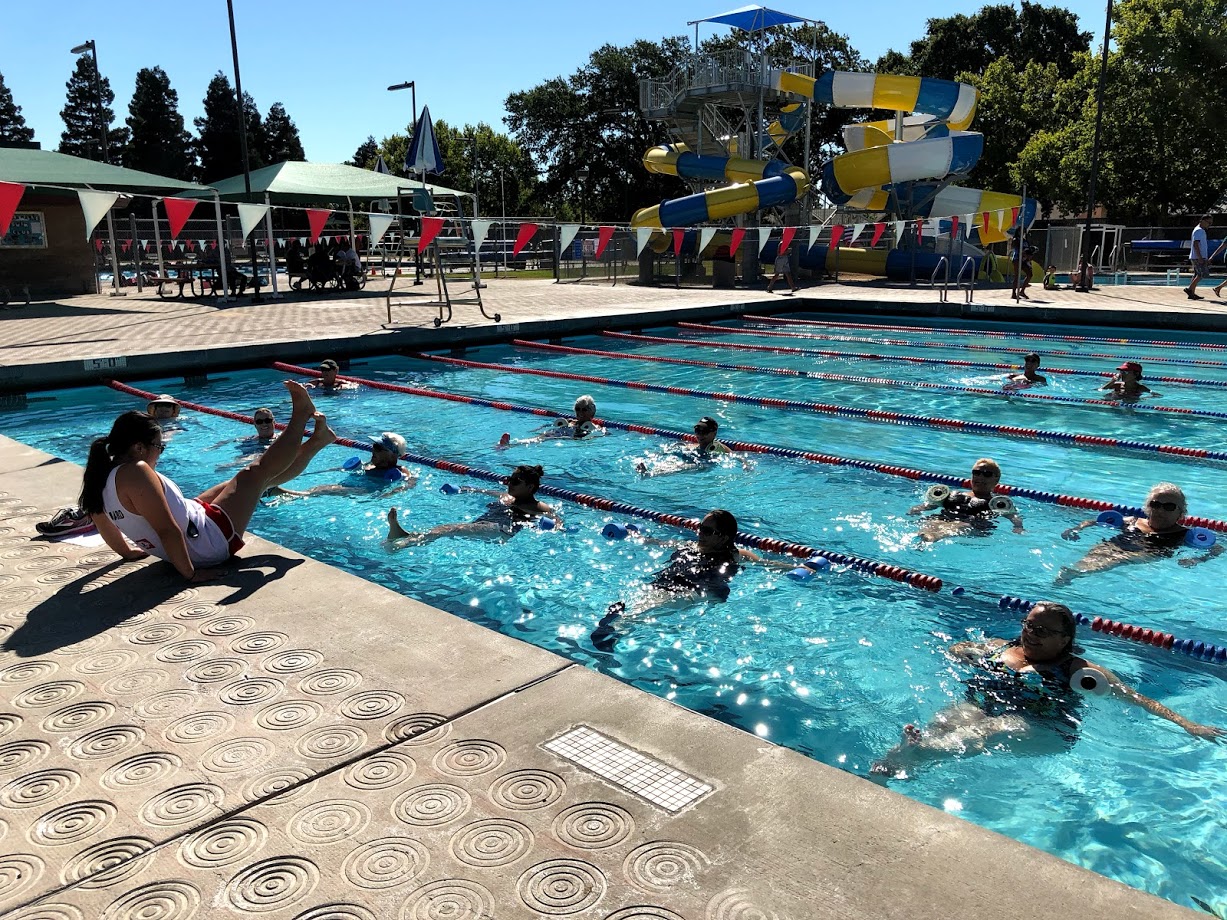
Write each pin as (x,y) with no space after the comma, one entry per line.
(966,512)
(1125,384)
(701,568)
(1156,536)
(1022,688)
(503,518)
(126,496)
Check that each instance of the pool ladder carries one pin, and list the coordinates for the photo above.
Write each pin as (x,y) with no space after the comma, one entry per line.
(967,286)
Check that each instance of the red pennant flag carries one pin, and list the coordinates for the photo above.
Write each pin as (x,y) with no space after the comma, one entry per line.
(10,196)
(212,244)
(786,238)
(837,233)
(191,245)
(878,230)
(920,229)
(678,237)
(954,227)
(98,244)
(316,218)
(178,210)
(604,236)
(739,234)
(431,227)
(125,245)
(1013,217)
(985,217)
(526,233)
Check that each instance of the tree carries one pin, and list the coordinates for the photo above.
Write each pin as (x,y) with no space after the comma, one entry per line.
(158,142)
(13,126)
(281,140)
(217,144)
(82,137)
(475,158)
(366,154)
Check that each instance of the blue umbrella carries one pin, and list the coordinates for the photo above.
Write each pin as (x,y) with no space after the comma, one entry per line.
(423,155)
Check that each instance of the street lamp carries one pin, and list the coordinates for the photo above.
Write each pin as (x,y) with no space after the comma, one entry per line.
(1086,284)
(582,175)
(502,194)
(92,48)
(238,92)
(413,96)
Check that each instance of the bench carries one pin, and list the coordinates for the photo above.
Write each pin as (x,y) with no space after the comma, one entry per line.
(187,278)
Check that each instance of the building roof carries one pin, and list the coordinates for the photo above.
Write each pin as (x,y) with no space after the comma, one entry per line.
(46,169)
(319,183)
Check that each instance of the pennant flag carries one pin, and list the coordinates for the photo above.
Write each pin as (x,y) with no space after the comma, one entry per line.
(527,230)
(431,227)
(126,245)
(202,244)
(95,206)
(837,232)
(144,245)
(878,230)
(856,232)
(178,210)
(815,230)
(678,237)
(212,244)
(302,241)
(566,233)
(606,234)
(764,237)
(98,244)
(954,227)
(1001,219)
(10,197)
(920,230)
(1014,217)
(786,239)
(281,242)
(191,245)
(984,217)
(481,229)
(739,234)
(379,226)
(969,224)
(250,216)
(899,228)
(642,235)
(316,218)
(423,155)
(705,237)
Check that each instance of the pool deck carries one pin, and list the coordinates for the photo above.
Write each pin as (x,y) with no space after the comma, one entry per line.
(209,751)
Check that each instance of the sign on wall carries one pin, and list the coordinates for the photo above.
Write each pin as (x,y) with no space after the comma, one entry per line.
(27,230)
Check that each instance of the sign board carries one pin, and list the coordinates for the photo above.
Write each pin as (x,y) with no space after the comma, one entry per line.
(27,230)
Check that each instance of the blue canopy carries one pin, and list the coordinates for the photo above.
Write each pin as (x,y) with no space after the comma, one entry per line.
(423,155)
(753,18)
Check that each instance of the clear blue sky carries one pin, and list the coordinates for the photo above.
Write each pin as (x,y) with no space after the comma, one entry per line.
(329,63)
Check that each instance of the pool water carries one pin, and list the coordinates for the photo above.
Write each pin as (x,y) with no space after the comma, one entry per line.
(833,666)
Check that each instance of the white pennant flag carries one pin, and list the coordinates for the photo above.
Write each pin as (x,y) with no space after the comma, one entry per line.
(642,235)
(379,226)
(250,216)
(1001,220)
(705,237)
(566,233)
(899,225)
(95,206)
(144,245)
(481,229)
(764,237)
(814,231)
(856,231)
(969,224)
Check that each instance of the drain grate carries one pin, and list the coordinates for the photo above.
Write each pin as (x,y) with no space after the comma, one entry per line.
(645,776)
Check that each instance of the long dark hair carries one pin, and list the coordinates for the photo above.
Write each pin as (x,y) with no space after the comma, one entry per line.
(1067,618)
(530,474)
(726,526)
(129,429)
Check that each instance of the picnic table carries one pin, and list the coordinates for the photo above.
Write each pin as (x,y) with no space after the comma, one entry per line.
(186,275)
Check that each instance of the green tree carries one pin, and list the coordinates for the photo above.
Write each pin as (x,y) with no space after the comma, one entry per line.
(217,142)
(158,142)
(364,157)
(81,136)
(13,126)
(476,157)
(281,140)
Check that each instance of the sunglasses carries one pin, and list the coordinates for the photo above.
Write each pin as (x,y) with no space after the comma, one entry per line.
(706,530)
(702,429)
(264,421)
(1166,506)
(1041,632)
(158,445)
(988,474)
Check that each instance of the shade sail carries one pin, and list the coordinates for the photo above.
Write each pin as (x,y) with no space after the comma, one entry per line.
(45,168)
(753,18)
(319,183)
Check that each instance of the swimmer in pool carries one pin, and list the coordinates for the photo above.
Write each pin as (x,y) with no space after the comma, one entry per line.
(706,449)
(965,513)
(701,568)
(383,470)
(504,517)
(1021,690)
(1125,385)
(327,382)
(1157,536)
(1030,376)
(584,425)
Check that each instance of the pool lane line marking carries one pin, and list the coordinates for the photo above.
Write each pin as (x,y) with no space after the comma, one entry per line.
(768,544)
(879,416)
(760,328)
(952,362)
(1051,498)
(876,381)
(993,333)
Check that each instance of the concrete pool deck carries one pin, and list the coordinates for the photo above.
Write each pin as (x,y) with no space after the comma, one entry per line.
(209,751)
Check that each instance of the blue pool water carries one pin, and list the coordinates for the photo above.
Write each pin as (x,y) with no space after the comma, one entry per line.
(832,667)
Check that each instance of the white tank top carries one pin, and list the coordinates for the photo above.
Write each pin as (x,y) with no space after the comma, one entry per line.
(206,544)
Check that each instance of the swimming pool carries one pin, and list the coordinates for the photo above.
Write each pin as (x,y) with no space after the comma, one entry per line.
(833,666)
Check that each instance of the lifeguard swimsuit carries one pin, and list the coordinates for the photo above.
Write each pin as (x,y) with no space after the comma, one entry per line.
(691,570)
(1134,540)
(963,506)
(1039,696)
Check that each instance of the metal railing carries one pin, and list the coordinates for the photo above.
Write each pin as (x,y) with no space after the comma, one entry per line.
(725,68)
(943,295)
(968,262)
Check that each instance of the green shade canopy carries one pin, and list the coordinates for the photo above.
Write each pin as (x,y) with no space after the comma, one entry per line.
(319,183)
(45,169)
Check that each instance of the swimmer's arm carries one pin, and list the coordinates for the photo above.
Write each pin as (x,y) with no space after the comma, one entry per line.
(1072,532)
(493,493)
(970,652)
(923,507)
(1016,520)
(1123,691)
(1189,561)
(555,513)
(751,556)
(149,501)
(114,539)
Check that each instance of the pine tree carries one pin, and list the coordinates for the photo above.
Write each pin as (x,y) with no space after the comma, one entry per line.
(12,123)
(366,154)
(81,137)
(158,144)
(217,143)
(281,140)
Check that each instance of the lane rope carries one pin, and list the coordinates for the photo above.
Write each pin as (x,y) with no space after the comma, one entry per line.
(954,362)
(872,415)
(876,381)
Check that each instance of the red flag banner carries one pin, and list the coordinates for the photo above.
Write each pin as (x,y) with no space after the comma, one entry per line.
(878,230)
(678,237)
(125,245)
(431,227)
(787,237)
(602,240)
(178,210)
(527,231)
(985,217)
(954,228)
(98,244)
(191,245)
(1013,217)
(837,233)
(739,234)
(920,230)
(10,197)
(316,218)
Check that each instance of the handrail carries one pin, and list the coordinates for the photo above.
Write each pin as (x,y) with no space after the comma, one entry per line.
(971,284)
(943,261)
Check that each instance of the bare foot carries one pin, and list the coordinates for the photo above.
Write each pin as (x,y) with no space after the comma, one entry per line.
(300,399)
(322,434)
(395,531)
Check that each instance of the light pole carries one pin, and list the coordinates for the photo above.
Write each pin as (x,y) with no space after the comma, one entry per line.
(413,96)
(502,194)
(582,175)
(413,93)
(92,48)
(238,92)
(1086,284)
